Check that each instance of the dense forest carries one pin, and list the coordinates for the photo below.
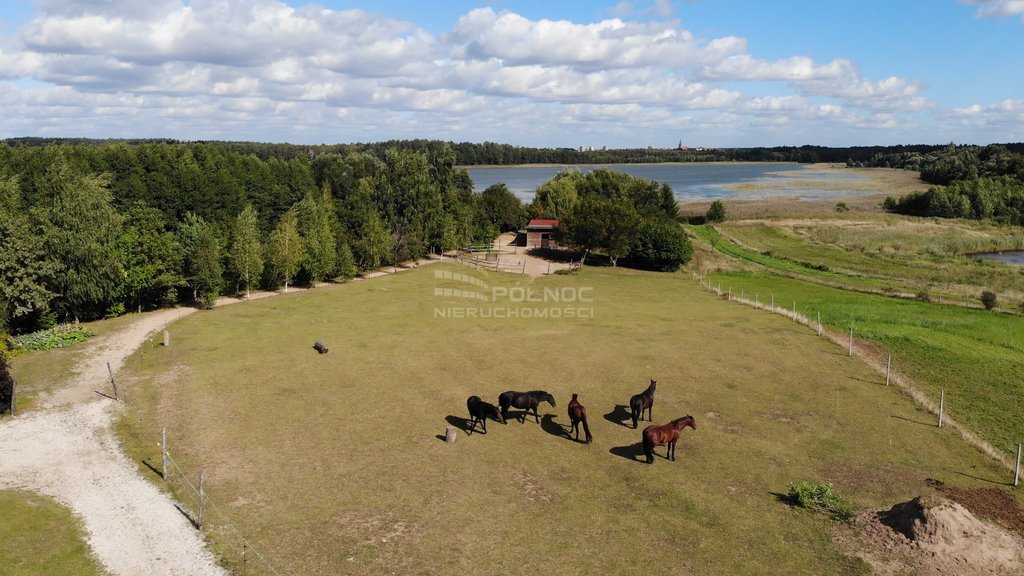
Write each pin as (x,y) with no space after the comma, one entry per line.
(970,182)
(96,228)
(92,230)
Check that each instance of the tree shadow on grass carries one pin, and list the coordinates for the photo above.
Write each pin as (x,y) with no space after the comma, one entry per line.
(633,452)
(620,415)
(548,424)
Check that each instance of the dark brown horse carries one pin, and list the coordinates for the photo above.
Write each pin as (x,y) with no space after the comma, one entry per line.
(643,401)
(655,435)
(577,416)
(525,400)
(479,411)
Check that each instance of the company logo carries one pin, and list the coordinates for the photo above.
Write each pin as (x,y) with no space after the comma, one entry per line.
(478,299)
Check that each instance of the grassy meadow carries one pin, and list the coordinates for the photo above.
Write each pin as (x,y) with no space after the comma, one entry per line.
(336,464)
(39,536)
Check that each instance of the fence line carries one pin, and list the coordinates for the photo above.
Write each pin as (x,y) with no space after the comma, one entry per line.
(202,494)
(880,365)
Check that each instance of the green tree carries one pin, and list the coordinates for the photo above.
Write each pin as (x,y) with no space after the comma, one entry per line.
(80,228)
(716,213)
(246,252)
(24,296)
(502,208)
(317,230)
(607,225)
(204,272)
(285,251)
(346,262)
(152,258)
(556,197)
(662,244)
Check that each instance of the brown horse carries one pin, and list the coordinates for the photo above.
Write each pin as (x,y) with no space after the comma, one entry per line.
(643,401)
(665,434)
(578,415)
(479,411)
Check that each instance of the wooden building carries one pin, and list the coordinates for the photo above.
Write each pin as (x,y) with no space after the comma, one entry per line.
(541,234)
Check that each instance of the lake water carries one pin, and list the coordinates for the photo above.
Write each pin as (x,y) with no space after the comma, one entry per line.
(689,182)
(1006,256)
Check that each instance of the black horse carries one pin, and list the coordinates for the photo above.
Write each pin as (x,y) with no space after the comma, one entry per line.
(525,400)
(479,411)
(643,401)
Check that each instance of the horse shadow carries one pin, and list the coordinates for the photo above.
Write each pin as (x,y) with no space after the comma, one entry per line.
(461,423)
(620,415)
(633,452)
(548,424)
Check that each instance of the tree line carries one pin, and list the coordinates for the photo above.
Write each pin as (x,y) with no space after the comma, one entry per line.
(96,229)
(976,182)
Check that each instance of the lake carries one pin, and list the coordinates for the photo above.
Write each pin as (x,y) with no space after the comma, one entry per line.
(689,182)
(1006,256)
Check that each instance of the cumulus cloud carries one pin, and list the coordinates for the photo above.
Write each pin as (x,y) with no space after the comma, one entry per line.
(242,68)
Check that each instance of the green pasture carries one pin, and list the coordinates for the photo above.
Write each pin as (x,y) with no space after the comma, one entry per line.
(886,253)
(975,356)
(336,464)
(39,536)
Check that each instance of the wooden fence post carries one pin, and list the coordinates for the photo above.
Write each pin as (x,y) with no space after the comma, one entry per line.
(1016,472)
(202,496)
(794,309)
(163,454)
(112,382)
(773,302)
(819,323)
(851,342)
(167,338)
(888,369)
(942,406)
(14,386)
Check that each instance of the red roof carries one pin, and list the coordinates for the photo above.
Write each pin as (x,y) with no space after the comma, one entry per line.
(540,223)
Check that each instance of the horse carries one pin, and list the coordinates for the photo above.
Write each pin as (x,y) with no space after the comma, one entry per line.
(644,400)
(655,435)
(479,411)
(577,416)
(524,400)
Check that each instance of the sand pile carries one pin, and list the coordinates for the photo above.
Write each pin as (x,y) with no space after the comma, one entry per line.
(936,538)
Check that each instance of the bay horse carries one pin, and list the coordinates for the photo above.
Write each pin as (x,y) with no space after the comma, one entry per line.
(577,416)
(479,411)
(525,400)
(656,435)
(643,401)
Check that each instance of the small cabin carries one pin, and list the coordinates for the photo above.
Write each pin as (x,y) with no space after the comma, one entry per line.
(541,234)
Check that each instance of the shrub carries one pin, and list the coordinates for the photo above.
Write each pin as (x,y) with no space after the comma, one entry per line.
(820,497)
(60,336)
(842,207)
(716,213)
(988,299)
(889,204)
(923,296)
(662,245)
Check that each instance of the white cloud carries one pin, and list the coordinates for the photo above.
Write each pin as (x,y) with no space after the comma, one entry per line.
(997,8)
(513,39)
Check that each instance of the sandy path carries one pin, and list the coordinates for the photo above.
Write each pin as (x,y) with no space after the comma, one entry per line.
(68,451)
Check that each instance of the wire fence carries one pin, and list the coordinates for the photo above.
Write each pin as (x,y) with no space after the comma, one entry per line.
(875,357)
(236,551)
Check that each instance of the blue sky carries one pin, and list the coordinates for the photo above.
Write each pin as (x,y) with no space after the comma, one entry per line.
(622,73)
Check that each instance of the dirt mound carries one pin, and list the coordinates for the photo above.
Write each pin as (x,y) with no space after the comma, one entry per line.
(935,538)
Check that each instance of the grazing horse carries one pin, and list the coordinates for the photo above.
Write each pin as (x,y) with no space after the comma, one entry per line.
(577,416)
(479,411)
(524,400)
(665,434)
(643,401)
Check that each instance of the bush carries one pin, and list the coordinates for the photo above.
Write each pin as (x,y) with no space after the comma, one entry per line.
(988,299)
(923,296)
(662,245)
(820,497)
(60,336)
(842,207)
(716,213)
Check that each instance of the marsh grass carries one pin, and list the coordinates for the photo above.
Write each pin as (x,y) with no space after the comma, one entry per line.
(39,536)
(336,464)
